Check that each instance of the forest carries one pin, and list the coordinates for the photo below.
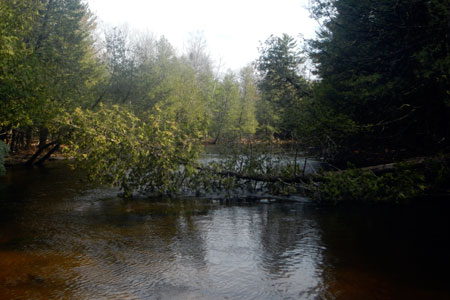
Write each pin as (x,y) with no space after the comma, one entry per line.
(135,113)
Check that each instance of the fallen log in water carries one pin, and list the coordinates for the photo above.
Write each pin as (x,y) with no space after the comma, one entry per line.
(377,170)
(263,178)
(39,151)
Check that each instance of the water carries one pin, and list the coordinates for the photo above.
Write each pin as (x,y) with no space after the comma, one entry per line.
(61,238)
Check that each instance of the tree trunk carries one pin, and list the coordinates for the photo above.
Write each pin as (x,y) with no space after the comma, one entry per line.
(30,161)
(47,156)
(377,170)
(43,135)
(12,145)
(20,140)
(28,137)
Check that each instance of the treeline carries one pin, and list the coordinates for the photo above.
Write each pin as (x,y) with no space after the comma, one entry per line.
(51,63)
(124,104)
(382,88)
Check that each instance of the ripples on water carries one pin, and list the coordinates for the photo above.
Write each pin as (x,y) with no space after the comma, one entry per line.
(63,239)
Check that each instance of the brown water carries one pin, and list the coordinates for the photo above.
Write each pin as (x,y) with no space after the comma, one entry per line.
(63,239)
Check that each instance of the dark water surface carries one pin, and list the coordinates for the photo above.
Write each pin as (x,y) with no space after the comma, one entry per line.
(63,239)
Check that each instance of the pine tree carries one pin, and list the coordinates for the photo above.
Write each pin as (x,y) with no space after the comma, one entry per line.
(384,66)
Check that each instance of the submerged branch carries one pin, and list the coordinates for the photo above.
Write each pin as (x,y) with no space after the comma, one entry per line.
(256,177)
(303,178)
(263,178)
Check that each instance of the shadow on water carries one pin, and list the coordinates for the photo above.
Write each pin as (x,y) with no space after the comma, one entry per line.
(387,252)
(61,238)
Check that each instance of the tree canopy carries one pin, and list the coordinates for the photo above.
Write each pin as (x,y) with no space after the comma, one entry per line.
(281,83)
(383,67)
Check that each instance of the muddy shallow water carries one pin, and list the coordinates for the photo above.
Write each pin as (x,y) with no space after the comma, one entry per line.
(61,238)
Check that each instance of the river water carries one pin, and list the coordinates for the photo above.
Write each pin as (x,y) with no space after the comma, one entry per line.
(61,238)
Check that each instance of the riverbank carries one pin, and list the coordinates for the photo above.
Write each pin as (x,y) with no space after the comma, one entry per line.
(390,183)
(23,156)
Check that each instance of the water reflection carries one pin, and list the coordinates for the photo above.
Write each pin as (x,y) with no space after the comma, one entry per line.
(291,242)
(387,252)
(63,239)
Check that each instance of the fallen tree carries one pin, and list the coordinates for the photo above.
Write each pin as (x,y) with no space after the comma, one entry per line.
(394,182)
(31,161)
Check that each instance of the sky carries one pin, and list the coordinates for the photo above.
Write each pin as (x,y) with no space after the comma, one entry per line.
(233,29)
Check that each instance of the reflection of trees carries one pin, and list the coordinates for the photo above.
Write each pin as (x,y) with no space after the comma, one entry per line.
(143,244)
(189,240)
(165,227)
(292,250)
(396,252)
(288,235)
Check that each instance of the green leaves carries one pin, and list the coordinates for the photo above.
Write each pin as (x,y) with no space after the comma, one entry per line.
(3,152)
(225,109)
(119,149)
(358,185)
(384,66)
(281,84)
(47,60)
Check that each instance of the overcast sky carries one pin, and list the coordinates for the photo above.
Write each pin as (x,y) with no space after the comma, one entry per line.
(232,28)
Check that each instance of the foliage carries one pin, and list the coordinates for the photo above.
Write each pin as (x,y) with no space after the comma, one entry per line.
(134,113)
(118,85)
(403,184)
(249,97)
(145,73)
(3,152)
(225,108)
(47,65)
(250,169)
(52,70)
(15,73)
(281,84)
(118,148)
(437,175)
(383,67)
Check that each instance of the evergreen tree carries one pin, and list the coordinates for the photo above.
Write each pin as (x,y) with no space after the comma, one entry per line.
(384,71)
(48,63)
(281,84)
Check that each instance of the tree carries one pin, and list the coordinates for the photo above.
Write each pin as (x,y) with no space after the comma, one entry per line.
(119,60)
(16,73)
(48,65)
(384,69)
(64,55)
(137,154)
(225,114)
(280,83)
(249,96)
(197,55)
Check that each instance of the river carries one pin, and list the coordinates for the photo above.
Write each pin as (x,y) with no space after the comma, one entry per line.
(62,238)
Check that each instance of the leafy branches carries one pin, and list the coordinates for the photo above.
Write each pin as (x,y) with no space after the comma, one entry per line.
(119,149)
(382,66)
(358,185)
(281,84)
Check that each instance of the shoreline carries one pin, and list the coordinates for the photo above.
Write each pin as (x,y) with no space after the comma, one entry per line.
(20,159)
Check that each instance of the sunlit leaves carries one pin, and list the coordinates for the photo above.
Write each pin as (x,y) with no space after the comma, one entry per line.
(47,62)
(119,149)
